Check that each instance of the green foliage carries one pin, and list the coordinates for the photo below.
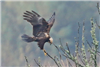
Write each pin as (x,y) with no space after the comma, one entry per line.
(95,43)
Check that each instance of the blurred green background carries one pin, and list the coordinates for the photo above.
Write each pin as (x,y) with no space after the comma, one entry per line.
(68,14)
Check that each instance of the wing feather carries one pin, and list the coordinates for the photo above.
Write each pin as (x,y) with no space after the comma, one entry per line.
(36,21)
(36,13)
(51,22)
(39,24)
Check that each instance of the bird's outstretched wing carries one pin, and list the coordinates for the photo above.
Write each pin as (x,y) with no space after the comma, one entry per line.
(51,22)
(39,24)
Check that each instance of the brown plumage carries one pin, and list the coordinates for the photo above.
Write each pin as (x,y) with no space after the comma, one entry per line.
(41,28)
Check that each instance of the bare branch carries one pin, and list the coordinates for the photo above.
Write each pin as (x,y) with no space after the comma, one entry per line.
(52,58)
(37,63)
(68,47)
(27,61)
(58,50)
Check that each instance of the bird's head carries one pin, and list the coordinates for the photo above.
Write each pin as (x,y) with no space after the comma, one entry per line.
(50,40)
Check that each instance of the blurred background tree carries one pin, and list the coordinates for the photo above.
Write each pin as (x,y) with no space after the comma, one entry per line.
(68,14)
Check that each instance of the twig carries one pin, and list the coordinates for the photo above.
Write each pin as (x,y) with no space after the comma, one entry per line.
(27,61)
(58,50)
(97,24)
(69,62)
(95,42)
(81,60)
(37,63)
(68,47)
(52,58)
(73,61)
(78,33)
(58,61)
(60,42)
(98,7)
(88,44)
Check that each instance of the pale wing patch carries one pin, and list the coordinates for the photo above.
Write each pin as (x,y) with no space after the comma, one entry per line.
(46,35)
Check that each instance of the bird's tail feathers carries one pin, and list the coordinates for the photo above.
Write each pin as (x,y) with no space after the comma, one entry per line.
(27,38)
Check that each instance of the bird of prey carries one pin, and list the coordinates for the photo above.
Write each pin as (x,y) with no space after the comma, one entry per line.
(41,28)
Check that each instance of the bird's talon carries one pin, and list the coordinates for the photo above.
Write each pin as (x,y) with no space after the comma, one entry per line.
(44,52)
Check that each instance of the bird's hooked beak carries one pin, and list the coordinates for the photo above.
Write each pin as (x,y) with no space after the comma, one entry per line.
(50,40)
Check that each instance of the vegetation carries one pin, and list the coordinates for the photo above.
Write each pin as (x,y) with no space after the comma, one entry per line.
(80,57)
(86,51)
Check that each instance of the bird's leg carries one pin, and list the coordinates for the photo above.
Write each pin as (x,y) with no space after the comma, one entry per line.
(44,52)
